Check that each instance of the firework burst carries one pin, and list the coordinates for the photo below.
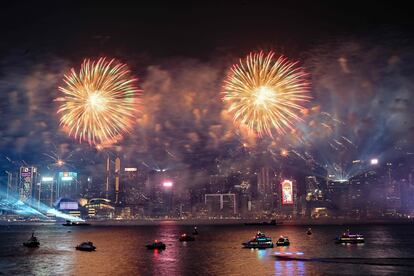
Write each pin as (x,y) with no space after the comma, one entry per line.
(266,93)
(99,103)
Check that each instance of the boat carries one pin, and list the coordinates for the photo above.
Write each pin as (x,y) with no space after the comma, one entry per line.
(265,223)
(75,223)
(33,242)
(309,232)
(86,246)
(348,237)
(185,237)
(156,245)
(283,241)
(195,232)
(260,241)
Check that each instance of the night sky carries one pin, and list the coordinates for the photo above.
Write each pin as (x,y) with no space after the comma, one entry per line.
(360,60)
(163,30)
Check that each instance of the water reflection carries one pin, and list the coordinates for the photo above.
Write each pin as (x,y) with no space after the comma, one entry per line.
(261,253)
(217,251)
(289,267)
(166,261)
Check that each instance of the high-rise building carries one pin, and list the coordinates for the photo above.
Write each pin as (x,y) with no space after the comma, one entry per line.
(12,189)
(130,185)
(264,181)
(67,185)
(47,191)
(288,197)
(133,190)
(222,205)
(28,178)
(117,174)
(267,190)
(313,189)
(357,195)
(107,171)
(338,195)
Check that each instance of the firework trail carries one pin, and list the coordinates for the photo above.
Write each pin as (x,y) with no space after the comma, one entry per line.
(59,160)
(265,93)
(99,102)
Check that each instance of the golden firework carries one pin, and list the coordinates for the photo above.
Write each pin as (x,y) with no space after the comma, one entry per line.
(99,103)
(265,93)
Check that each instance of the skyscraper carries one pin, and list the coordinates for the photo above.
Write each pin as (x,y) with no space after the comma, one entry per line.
(264,181)
(117,172)
(28,177)
(67,185)
(47,190)
(107,177)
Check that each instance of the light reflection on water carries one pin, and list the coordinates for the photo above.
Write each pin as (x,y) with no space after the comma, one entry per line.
(216,251)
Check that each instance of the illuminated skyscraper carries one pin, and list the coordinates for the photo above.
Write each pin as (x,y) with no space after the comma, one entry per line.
(11,187)
(117,172)
(67,185)
(28,177)
(264,181)
(47,189)
(132,191)
(108,161)
(288,197)
(220,204)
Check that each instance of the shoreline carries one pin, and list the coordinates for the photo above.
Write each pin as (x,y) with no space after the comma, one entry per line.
(218,222)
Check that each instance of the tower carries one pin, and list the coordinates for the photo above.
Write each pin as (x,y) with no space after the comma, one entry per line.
(264,181)
(107,178)
(117,172)
(9,184)
(27,180)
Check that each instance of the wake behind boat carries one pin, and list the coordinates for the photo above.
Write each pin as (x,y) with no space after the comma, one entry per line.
(260,241)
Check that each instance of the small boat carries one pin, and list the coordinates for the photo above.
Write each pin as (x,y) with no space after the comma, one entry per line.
(195,232)
(260,241)
(348,237)
(185,237)
(283,241)
(266,223)
(309,232)
(156,245)
(75,223)
(33,242)
(86,246)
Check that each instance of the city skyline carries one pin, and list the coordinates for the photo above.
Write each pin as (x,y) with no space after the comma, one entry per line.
(354,106)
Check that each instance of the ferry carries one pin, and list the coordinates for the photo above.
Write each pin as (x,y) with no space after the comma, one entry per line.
(260,241)
(348,237)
